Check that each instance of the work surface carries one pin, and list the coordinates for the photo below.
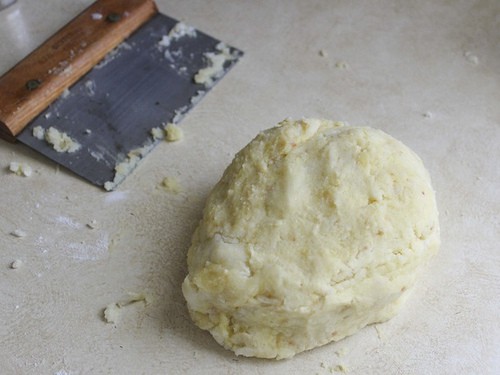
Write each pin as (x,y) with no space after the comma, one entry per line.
(426,72)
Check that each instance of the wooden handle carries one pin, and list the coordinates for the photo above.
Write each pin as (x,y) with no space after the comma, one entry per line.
(36,81)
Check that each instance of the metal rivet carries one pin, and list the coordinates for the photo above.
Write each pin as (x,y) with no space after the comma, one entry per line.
(113,17)
(32,84)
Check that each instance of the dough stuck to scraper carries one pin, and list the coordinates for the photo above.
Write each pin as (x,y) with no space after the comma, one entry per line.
(315,230)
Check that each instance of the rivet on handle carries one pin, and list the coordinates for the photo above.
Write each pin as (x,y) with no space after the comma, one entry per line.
(32,84)
(113,17)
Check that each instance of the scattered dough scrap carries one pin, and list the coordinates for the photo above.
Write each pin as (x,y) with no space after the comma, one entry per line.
(470,57)
(314,231)
(19,233)
(92,224)
(178,31)
(60,141)
(171,184)
(173,133)
(157,133)
(16,264)
(38,131)
(126,166)
(342,65)
(20,169)
(113,312)
(215,69)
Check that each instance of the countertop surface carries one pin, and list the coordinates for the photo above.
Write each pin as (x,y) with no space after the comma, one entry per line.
(427,72)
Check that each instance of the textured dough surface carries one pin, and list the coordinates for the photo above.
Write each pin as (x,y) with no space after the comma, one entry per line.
(315,230)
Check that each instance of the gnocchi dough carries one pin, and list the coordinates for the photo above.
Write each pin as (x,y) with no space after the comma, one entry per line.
(315,230)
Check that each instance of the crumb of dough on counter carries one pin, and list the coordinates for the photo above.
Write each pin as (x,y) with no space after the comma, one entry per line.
(342,65)
(19,233)
(470,57)
(427,114)
(173,133)
(171,185)
(92,224)
(60,141)
(215,69)
(340,368)
(20,169)
(323,53)
(113,312)
(18,263)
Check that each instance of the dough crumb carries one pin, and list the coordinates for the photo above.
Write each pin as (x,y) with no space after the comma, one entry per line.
(427,114)
(323,53)
(113,312)
(171,185)
(38,131)
(60,141)
(124,168)
(341,65)
(470,57)
(173,133)
(178,31)
(92,224)
(16,264)
(20,169)
(340,368)
(157,133)
(19,233)
(215,69)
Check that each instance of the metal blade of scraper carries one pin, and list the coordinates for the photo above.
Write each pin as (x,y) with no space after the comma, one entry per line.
(146,82)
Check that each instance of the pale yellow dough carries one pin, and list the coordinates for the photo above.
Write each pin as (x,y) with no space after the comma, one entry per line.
(315,230)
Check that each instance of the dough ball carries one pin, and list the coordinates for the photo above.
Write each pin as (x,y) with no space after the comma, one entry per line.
(315,230)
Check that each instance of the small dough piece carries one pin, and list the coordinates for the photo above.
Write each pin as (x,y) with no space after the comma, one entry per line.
(171,185)
(173,133)
(19,233)
(215,69)
(20,169)
(315,230)
(112,313)
(18,263)
(60,141)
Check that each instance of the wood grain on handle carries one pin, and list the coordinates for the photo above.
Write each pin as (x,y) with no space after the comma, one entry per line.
(36,81)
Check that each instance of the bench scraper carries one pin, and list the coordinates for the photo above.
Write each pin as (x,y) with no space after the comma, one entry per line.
(106,80)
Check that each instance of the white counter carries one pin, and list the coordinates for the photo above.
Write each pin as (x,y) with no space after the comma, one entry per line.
(426,72)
